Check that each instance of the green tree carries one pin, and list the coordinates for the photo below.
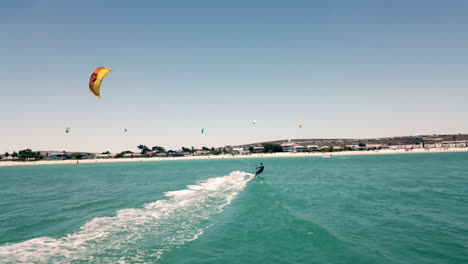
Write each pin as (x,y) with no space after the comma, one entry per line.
(7,154)
(121,154)
(205,148)
(105,152)
(158,149)
(143,149)
(362,145)
(272,148)
(14,155)
(77,156)
(26,154)
(184,149)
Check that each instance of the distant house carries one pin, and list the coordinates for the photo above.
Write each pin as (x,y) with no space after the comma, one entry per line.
(202,152)
(133,155)
(104,156)
(313,147)
(287,147)
(258,149)
(324,147)
(175,154)
(337,148)
(56,156)
(150,153)
(454,144)
(240,151)
(374,146)
(228,148)
(299,148)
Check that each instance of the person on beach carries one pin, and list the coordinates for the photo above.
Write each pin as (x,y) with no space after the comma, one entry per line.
(259,169)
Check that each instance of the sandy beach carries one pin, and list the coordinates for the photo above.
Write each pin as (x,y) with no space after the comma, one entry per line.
(251,156)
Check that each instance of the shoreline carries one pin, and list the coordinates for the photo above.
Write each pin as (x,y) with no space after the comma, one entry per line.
(251,156)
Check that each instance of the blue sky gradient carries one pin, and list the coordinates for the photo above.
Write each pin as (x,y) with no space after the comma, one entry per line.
(343,68)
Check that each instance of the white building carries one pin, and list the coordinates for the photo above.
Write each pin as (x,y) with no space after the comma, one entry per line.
(299,148)
(287,147)
(104,156)
(202,152)
(454,144)
(57,156)
(258,149)
(313,147)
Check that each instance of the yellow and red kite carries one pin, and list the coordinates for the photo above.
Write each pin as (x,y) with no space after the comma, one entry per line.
(96,79)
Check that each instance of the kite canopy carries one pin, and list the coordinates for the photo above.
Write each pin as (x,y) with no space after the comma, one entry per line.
(301,125)
(67,129)
(203,130)
(253,122)
(96,79)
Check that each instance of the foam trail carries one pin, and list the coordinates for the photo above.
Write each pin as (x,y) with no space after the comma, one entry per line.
(136,234)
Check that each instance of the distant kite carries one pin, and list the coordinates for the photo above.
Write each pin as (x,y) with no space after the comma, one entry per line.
(125,130)
(67,129)
(96,79)
(301,125)
(254,122)
(203,130)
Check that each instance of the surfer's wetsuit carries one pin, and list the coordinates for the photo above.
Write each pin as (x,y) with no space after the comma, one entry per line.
(260,169)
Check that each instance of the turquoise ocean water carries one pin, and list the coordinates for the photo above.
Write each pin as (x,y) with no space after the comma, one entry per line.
(410,208)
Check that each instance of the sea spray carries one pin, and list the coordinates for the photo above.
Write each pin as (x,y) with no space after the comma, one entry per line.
(135,234)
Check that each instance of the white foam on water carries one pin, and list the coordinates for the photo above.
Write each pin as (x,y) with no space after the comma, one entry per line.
(136,234)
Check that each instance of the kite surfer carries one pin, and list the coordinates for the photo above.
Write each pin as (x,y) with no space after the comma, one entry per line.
(259,169)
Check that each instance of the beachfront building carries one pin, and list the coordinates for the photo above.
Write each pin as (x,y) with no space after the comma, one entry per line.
(104,156)
(287,147)
(374,146)
(202,152)
(354,146)
(151,153)
(454,144)
(237,149)
(6,158)
(175,154)
(56,156)
(299,148)
(406,147)
(228,148)
(313,147)
(337,148)
(133,155)
(240,151)
(258,149)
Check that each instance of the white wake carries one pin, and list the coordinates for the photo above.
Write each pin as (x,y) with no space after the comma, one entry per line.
(136,234)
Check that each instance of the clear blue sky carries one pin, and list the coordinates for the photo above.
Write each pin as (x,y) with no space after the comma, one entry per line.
(343,68)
